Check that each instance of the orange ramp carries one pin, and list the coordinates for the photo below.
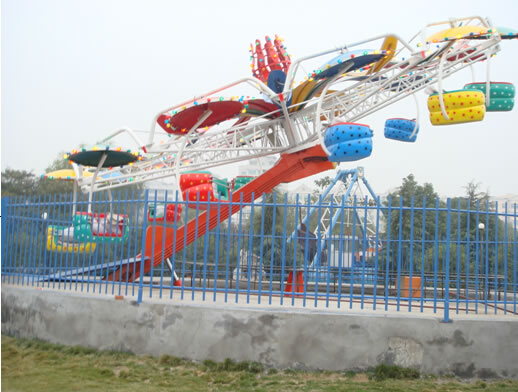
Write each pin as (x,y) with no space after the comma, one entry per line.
(289,168)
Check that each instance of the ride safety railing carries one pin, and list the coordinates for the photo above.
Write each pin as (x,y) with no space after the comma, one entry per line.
(444,257)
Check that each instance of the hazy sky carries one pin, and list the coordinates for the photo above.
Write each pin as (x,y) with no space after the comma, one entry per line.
(74,71)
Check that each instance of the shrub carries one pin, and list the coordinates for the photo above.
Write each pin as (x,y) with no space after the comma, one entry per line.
(384,372)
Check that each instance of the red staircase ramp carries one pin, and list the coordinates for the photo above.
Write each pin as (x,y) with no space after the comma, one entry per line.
(290,167)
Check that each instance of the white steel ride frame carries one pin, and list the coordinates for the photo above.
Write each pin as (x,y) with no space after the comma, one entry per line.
(346,96)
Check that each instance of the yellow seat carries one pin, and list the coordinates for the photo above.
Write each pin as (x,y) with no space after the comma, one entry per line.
(74,247)
(462,106)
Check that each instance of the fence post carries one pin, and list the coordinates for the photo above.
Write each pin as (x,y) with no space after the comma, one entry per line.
(387,261)
(3,216)
(447,267)
(143,247)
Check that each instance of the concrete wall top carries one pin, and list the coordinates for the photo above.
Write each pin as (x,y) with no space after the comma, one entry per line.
(304,339)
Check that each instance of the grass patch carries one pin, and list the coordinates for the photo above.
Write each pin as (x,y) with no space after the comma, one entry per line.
(32,365)
(392,372)
(170,361)
(228,365)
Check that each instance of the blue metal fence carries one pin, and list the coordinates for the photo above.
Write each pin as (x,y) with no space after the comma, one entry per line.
(430,255)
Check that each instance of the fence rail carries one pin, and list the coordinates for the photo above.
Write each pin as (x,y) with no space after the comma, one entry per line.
(419,255)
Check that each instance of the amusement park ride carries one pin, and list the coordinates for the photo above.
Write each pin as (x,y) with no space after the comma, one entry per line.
(309,117)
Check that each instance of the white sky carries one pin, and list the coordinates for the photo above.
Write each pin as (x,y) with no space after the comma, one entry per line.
(74,71)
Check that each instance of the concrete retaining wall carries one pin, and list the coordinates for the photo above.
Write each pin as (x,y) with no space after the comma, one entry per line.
(297,339)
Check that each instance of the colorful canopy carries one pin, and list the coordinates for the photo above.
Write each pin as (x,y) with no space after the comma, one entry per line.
(64,174)
(94,156)
(348,62)
(461,32)
(472,32)
(507,33)
(181,121)
(259,107)
(389,47)
(504,32)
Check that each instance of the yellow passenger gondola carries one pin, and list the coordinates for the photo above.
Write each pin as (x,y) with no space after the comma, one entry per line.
(55,245)
(461,106)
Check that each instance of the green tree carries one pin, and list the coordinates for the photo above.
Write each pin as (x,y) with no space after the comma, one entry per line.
(26,183)
(323,183)
(421,196)
(454,227)
(474,195)
(58,163)
(54,186)
(471,209)
(18,183)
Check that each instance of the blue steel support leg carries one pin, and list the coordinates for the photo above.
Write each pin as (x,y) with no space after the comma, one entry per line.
(143,247)
(341,175)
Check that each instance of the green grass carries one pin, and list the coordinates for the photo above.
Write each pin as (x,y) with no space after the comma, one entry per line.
(31,365)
